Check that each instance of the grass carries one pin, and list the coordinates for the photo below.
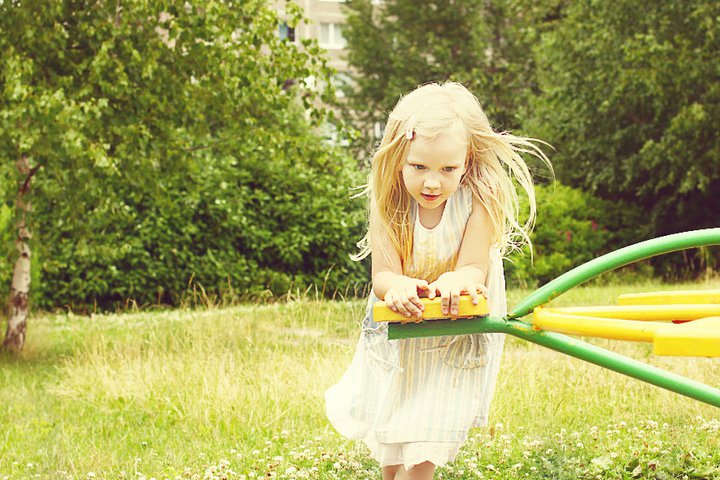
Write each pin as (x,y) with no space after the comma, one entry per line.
(238,393)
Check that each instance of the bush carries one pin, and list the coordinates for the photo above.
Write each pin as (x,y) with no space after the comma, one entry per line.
(573,227)
(260,220)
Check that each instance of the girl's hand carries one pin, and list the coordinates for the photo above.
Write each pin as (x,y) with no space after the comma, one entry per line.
(403,297)
(450,286)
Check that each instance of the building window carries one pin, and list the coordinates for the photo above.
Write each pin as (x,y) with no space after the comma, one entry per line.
(286,32)
(331,36)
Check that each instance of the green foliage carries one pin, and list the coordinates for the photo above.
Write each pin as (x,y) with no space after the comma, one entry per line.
(5,250)
(484,45)
(631,100)
(240,225)
(174,148)
(573,227)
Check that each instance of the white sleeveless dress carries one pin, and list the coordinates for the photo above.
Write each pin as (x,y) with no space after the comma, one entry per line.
(414,400)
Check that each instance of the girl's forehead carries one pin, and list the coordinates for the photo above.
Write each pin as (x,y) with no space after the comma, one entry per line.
(447,146)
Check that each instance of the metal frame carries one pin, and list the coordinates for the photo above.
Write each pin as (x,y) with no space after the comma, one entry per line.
(511,324)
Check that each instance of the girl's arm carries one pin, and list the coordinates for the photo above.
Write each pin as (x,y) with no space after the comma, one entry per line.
(400,292)
(470,272)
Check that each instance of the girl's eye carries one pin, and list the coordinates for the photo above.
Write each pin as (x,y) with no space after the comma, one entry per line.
(418,166)
(449,169)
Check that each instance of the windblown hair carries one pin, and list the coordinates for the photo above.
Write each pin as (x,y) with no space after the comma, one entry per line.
(494,166)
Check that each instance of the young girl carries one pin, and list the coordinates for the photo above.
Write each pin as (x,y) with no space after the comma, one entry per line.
(443,211)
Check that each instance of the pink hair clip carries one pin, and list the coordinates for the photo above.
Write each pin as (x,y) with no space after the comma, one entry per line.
(410,133)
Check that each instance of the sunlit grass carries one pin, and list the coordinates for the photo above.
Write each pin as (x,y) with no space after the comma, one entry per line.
(238,393)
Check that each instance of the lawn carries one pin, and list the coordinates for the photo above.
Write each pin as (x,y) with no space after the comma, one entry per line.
(238,393)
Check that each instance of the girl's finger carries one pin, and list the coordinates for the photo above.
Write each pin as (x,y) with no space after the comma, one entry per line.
(483,290)
(389,302)
(471,290)
(444,300)
(417,303)
(411,306)
(454,301)
(400,306)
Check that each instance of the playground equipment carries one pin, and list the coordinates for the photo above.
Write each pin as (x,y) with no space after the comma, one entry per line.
(677,323)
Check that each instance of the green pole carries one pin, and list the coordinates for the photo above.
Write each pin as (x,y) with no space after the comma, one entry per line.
(567,345)
(616,362)
(613,260)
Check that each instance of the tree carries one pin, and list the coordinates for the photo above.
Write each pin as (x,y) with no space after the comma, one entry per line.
(631,100)
(117,103)
(397,45)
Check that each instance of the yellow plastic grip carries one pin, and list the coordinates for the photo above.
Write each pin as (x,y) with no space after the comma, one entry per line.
(433,310)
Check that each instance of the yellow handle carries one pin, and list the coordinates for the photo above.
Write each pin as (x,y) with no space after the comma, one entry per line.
(433,310)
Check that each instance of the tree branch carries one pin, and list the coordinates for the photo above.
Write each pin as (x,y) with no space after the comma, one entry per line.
(26,184)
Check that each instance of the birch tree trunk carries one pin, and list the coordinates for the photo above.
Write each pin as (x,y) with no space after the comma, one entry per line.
(18,305)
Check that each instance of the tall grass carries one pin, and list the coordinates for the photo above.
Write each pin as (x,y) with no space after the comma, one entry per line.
(238,393)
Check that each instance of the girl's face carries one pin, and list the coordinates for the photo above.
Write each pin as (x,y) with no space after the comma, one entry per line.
(433,168)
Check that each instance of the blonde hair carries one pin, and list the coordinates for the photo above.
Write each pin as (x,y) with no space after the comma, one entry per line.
(494,165)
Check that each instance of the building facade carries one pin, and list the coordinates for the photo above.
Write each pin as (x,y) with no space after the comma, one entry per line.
(326,20)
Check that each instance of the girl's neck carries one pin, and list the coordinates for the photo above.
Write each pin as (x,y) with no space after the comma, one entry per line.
(430,218)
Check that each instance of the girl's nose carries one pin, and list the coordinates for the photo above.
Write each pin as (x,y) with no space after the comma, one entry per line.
(431,182)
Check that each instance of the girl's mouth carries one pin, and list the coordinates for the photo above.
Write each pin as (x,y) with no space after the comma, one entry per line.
(429,198)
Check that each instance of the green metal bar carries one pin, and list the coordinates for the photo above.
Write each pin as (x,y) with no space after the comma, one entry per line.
(613,260)
(563,344)
(618,363)
(438,328)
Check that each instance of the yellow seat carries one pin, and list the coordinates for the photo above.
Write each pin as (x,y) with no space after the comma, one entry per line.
(653,312)
(666,298)
(433,310)
(699,338)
